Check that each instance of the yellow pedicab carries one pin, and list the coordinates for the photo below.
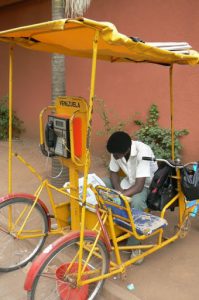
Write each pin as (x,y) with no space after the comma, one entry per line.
(76,265)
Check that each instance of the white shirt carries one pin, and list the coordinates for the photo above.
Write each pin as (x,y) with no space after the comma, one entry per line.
(135,167)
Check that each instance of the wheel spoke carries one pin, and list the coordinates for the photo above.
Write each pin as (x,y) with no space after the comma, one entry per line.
(57,277)
(17,250)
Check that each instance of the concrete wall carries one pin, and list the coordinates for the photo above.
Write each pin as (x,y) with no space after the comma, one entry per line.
(126,88)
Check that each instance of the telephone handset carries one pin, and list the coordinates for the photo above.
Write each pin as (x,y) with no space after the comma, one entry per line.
(50,138)
(50,135)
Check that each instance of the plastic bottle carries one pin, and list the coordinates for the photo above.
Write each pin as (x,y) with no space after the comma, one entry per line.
(195,166)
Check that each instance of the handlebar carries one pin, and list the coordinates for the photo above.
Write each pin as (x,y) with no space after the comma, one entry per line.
(172,163)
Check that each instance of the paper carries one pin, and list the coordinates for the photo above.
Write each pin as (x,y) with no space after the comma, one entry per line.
(94,180)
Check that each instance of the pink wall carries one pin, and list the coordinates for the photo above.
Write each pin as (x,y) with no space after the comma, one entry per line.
(131,88)
(31,78)
(126,88)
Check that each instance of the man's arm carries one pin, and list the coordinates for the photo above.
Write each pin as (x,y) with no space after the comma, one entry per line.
(136,188)
(115,180)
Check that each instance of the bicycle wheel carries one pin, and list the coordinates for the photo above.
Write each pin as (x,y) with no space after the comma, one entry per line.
(17,251)
(57,275)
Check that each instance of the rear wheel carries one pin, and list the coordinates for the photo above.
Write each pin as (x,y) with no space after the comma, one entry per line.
(57,276)
(17,249)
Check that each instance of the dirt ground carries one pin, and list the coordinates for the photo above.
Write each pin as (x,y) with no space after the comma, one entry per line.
(172,272)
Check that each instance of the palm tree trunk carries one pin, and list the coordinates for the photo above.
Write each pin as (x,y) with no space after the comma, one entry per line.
(60,8)
(74,8)
(58,88)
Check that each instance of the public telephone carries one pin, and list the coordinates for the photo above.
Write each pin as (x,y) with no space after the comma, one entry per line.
(58,139)
(57,134)
(65,131)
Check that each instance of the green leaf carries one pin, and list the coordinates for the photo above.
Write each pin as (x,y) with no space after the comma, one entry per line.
(157,137)
(17,124)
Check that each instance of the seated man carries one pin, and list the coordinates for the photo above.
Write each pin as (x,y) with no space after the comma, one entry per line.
(126,155)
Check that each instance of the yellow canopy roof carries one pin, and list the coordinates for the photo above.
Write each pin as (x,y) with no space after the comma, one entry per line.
(74,37)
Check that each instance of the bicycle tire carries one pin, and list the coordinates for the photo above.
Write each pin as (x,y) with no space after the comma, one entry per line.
(46,284)
(15,252)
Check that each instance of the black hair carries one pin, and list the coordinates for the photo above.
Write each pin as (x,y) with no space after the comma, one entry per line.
(118,142)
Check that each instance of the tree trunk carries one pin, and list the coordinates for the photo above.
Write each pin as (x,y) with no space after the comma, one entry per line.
(75,8)
(60,8)
(58,88)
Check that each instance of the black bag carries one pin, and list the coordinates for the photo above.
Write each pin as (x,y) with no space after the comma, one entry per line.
(162,188)
(190,183)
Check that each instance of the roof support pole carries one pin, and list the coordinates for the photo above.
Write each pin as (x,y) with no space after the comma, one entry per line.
(11,55)
(172,113)
(87,163)
(92,86)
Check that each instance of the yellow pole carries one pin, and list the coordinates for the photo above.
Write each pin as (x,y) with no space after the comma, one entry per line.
(92,88)
(74,193)
(87,163)
(172,112)
(11,52)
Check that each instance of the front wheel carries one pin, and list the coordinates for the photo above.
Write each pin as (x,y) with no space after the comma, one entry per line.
(18,248)
(57,276)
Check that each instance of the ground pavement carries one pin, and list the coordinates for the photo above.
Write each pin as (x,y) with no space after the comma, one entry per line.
(172,272)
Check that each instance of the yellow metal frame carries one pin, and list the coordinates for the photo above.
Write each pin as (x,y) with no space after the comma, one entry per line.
(79,108)
(60,211)
(11,55)
(78,214)
(75,164)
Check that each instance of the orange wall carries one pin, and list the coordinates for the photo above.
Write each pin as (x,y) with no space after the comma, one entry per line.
(126,88)
(31,78)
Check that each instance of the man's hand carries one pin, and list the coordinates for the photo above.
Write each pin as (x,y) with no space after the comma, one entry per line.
(136,188)
(115,180)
